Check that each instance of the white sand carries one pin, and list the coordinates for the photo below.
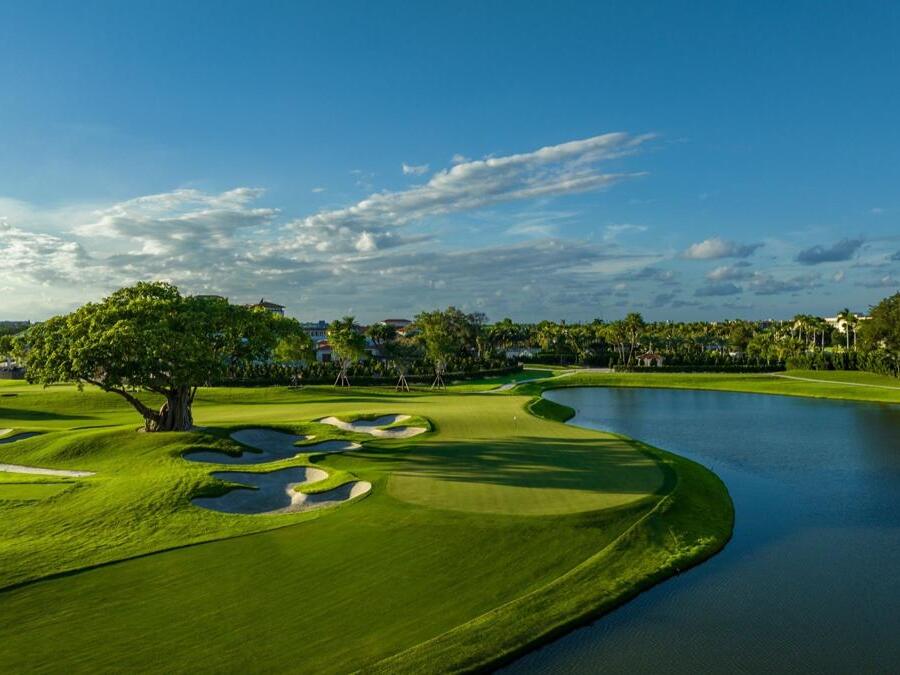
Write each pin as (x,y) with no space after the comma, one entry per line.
(372,427)
(17,468)
(3,432)
(275,493)
(273,446)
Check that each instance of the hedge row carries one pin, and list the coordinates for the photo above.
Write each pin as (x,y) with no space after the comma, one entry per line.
(364,380)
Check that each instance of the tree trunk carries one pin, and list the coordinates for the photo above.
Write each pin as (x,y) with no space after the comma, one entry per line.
(175,414)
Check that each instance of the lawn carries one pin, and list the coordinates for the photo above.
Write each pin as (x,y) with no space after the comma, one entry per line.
(490,532)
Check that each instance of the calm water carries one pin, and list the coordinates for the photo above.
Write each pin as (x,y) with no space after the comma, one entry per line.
(811,579)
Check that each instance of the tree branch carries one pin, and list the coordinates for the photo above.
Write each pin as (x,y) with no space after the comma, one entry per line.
(145,412)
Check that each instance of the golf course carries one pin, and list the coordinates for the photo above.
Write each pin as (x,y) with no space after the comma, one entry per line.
(400,531)
(482,529)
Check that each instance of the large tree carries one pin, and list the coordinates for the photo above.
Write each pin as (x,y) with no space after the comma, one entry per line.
(882,329)
(150,339)
(442,337)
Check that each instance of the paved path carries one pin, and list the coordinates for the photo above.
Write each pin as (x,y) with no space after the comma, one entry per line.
(513,385)
(851,384)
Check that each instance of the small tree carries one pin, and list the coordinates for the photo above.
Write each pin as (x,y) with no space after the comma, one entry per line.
(441,341)
(348,344)
(148,338)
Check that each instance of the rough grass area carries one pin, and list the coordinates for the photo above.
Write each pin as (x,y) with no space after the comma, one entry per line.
(492,531)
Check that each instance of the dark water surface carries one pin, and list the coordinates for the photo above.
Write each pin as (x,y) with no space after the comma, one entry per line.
(811,580)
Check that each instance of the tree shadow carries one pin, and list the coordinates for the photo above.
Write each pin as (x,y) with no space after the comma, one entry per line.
(597,465)
(39,415)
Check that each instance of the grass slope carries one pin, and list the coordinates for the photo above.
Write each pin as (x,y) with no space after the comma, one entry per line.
(494,530)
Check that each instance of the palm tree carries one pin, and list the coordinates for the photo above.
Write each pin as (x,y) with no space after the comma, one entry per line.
(848,318)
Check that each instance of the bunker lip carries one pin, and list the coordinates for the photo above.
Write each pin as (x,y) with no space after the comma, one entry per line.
(373,427)
(275,492)
(18,468)
(273,446)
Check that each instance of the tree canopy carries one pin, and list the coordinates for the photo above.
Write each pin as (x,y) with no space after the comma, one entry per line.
(148,338)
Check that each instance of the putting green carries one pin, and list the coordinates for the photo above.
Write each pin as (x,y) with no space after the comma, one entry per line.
(539,477)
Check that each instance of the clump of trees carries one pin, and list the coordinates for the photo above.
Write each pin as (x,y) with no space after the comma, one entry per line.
(149,341)
(880,338)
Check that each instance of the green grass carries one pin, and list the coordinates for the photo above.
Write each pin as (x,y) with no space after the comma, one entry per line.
(829,384)
(21,491)
(495,529)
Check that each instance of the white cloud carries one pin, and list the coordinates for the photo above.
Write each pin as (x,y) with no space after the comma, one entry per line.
(41,258)
(717,247)
(729,273)
(318,189)
(414,169)
(547,172)
(181,220)
(613,232)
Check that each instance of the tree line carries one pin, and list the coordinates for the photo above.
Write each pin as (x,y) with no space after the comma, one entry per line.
(149,339)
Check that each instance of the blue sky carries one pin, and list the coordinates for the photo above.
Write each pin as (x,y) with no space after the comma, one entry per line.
(698,162)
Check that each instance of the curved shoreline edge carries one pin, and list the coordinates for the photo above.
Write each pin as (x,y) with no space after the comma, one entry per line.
(686,527)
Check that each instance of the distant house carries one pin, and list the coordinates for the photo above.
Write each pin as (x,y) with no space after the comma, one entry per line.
(396,323)
(317,330)
(11,371)
(521,352)
(840,324)
(650,359)
(324,353)
(273,307)
(404,327)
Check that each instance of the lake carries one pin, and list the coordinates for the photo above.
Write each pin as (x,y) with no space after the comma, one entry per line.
(810,580)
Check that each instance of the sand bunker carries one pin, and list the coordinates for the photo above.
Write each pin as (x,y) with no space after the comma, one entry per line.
(273,446)
(17,468)
(371,427)
(275,494)
(3,432)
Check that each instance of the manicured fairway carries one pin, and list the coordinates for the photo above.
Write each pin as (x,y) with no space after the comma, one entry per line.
(478,537)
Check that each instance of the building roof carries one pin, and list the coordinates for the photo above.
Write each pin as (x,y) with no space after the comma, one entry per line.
(266,304)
